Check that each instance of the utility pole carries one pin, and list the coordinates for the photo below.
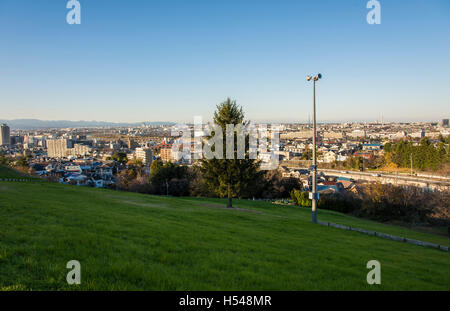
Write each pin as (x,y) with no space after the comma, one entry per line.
(314,196)
(410,156)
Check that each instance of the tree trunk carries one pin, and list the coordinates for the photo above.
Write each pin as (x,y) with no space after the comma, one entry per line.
(230,205)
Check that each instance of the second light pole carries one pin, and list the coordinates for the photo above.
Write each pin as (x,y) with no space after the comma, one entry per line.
(315,195)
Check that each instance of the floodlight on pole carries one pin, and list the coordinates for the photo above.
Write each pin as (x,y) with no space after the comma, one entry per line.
(314,194)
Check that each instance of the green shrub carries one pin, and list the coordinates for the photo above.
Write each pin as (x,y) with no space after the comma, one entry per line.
(301,198)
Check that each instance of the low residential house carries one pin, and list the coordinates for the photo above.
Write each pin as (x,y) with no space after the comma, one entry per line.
(38,169)
(297,173)
(301,146)
(322,149)
(366,155)
(334,148)
(332,184)
(73,169)
(371,147)
(285,172)
(327,189)
(341,157)
(75,179)
(86,168)
(346,182)
(105,171)
(329,157)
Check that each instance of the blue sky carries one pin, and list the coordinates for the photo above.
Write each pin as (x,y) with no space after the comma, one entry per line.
(167,60)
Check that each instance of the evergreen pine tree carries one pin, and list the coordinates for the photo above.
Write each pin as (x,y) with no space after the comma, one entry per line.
(230,177)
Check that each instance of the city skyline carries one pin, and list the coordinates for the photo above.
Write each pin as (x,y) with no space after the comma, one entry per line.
(171,62)
(99,123)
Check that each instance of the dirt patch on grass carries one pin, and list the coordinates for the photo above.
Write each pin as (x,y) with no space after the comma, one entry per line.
(143,204)
(231,209)
(4,188)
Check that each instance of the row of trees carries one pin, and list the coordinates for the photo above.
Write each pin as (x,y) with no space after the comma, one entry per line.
(241,178)
(177,180)
(360,163)
(424,156)
(164,179)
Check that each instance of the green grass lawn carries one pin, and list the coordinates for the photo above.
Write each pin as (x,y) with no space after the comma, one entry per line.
(128,241)
(8,172)
(343,219)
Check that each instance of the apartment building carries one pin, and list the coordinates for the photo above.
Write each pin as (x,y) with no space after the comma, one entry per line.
(166,154)
(58,148)
(145,155)
(5,139)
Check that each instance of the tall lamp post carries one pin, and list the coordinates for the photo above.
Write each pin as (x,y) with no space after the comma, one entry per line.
(314,196)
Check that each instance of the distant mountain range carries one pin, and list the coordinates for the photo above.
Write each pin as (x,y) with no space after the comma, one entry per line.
(27,124)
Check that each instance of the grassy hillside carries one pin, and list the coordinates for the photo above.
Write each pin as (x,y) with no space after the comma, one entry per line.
(7,172)
(132,241)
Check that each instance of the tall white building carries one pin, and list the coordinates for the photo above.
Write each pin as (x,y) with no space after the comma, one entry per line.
(144,154)
(79,150)
(58,148)
(5,139)
(61,148)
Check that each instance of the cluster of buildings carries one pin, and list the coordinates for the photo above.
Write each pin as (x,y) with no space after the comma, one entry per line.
(83,156)
(336,142)
(326,184)
(88,155)
(86,172)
